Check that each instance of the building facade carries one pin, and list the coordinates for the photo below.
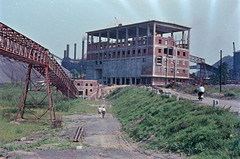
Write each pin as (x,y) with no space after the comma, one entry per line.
(151,52)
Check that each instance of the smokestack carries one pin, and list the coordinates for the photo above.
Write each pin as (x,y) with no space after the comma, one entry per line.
(65,53)
(75,48)
(68,50)
(82,50)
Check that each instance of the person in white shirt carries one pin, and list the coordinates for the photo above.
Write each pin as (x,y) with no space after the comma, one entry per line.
(103,111)
(201,91)
(99,111)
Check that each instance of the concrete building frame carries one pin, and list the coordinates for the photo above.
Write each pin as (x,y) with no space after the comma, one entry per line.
(150,52)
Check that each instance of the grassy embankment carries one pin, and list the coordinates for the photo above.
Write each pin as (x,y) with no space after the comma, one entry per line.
(162,123)
(10,95)
(230,93)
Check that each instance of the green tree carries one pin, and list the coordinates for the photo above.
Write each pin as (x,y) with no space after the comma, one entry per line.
(75,73)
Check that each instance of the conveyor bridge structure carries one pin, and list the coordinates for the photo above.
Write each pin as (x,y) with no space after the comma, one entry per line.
(14,45)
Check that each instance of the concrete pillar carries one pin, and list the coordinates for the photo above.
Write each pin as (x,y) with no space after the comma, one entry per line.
(183,37)
(215,103)
(107,41)
(115,80)
(125,80)
(117,39)
(130,80)
(111,80)
(126,40)
(135,80)
(137,35)
(120,81)
(100,38)
(177,96)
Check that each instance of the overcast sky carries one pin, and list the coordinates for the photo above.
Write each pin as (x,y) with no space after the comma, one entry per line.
(54,23)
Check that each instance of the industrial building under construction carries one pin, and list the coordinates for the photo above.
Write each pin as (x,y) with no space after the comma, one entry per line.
(150,52)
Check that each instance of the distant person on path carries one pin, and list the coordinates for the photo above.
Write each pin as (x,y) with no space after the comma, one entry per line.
(103,111)
(201,90)
(99,111)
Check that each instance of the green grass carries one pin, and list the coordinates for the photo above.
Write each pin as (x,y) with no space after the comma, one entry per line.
(161,123)
(10,94)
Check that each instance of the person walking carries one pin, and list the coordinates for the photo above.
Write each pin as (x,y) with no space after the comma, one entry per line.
(103,112)
(99,111)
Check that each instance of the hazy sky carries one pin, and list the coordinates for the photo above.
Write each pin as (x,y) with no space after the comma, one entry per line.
(54,23)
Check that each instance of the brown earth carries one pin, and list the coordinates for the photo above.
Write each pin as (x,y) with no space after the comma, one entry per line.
(103,140)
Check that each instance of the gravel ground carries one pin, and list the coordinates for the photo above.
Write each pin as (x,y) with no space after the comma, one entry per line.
(103,140)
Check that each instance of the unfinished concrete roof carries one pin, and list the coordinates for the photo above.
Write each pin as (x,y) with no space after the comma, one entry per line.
(161,27)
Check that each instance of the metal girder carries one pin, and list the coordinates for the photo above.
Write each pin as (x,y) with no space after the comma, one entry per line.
(18,47)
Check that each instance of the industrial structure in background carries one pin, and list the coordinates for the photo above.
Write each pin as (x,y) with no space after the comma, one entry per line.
(236,63)
(78,64)
(151,52)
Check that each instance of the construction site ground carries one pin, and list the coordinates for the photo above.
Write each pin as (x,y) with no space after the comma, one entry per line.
(103,140)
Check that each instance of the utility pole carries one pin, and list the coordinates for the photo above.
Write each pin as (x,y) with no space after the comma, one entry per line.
(220,71)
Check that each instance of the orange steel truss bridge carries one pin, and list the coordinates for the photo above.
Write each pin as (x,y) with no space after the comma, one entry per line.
(14,45)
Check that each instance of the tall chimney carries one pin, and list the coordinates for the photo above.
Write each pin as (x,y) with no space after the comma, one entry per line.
(65,53)
(82,50)
(68,50)
(75,48)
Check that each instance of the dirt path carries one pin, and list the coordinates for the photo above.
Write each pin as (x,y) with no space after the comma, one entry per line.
(103,140)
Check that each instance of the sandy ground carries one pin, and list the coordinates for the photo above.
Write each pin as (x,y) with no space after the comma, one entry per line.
(103,140)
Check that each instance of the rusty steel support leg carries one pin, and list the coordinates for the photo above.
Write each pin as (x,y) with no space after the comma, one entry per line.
(24,93)
(48,92)
(68,94)
(56,95)
(53,110)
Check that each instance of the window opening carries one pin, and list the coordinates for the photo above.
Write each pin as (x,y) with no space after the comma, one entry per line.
(159,60)
(184,53)
(165,50)
(139,51)
(123,53)
(144,50)
(159,50)
(133,51)
(166,42)
(160,41)
(170,53)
